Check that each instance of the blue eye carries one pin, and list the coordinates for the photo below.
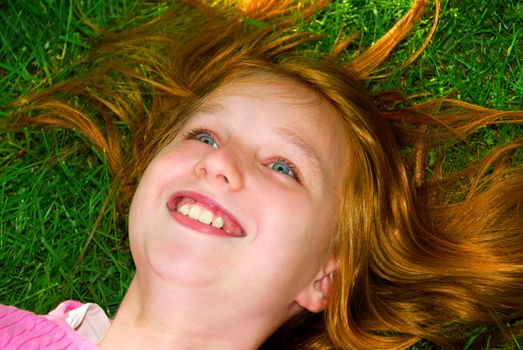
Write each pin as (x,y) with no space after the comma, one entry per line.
(203,136)
(207,139)
(285,167)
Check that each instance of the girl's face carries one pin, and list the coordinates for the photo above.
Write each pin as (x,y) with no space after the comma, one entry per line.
(241,205)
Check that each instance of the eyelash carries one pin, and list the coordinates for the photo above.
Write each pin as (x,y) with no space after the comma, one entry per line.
(192,135)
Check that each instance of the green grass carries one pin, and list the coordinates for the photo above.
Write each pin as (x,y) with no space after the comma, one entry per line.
(53,185)
(51,197)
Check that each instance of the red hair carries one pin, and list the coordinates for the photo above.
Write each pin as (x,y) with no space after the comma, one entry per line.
(419,256)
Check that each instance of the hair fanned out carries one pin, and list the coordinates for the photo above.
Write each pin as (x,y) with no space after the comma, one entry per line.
(422,256)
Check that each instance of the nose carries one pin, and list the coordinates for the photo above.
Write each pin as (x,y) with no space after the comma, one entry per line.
(220,167)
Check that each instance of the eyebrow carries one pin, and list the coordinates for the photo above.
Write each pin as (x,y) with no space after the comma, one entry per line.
(294,139)
(211,108)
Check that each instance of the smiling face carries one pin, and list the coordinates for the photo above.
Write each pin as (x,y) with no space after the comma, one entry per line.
(241,205)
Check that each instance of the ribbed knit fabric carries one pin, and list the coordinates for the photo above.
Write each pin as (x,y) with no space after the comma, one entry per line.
(24,330)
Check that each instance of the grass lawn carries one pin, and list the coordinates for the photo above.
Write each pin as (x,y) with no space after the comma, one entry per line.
(54,245)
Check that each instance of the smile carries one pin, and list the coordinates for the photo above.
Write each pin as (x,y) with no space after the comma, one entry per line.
(201,213)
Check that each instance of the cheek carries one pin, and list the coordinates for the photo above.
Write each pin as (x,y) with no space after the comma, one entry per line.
(147,194)
(168,166)
(301,217)
(150,197)
(296,233)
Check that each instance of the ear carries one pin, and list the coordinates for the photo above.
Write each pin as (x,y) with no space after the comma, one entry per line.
(315,295)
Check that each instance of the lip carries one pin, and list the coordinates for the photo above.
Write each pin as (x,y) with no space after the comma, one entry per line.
(196,225)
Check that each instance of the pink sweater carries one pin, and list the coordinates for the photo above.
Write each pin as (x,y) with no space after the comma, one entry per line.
(24,330)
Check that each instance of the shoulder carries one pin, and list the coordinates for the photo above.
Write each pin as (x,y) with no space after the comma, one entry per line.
(23,330)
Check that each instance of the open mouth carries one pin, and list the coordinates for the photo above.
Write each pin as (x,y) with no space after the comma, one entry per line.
(203,214)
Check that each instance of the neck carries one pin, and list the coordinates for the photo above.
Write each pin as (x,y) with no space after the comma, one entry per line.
(150,318)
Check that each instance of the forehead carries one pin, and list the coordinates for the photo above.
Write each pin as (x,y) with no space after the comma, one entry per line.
(264,101)
(276,99)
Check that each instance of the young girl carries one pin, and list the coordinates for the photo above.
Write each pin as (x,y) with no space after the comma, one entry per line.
(273,208)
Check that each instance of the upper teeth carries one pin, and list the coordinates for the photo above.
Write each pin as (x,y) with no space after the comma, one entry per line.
(202,215)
